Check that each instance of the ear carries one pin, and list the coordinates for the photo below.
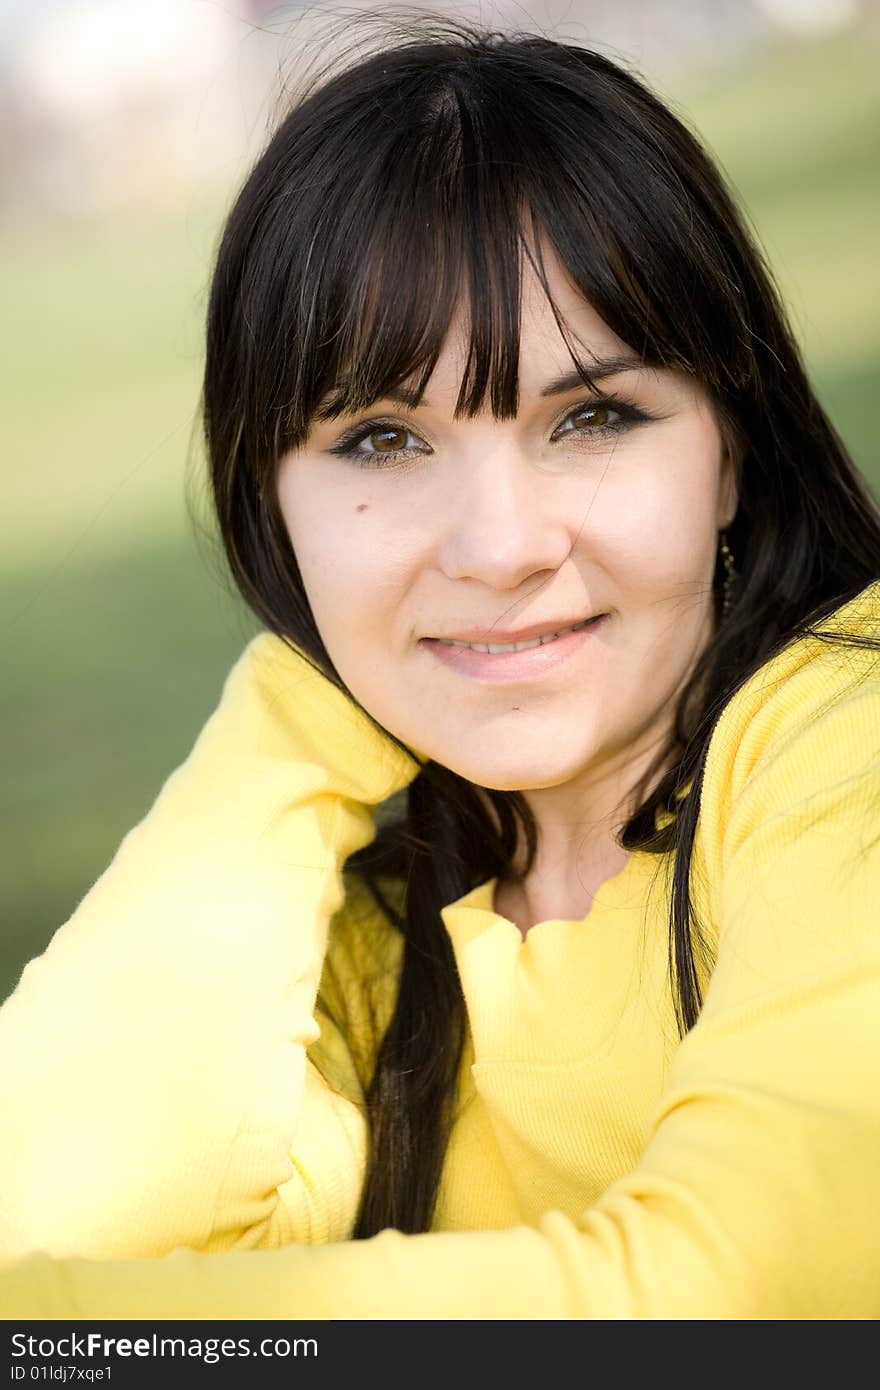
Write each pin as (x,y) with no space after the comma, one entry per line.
(730,482)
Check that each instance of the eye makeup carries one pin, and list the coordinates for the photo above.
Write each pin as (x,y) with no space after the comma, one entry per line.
(627,416)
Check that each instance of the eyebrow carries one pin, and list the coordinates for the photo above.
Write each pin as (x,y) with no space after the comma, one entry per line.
(601,368)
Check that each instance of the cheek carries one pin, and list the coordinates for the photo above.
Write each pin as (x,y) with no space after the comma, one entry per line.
(324,533)
(335,569)
(350,573)
(658,517)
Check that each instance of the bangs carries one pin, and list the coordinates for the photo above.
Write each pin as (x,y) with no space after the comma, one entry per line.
(366,252)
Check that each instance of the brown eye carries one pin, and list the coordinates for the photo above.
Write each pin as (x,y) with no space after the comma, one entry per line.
(596,415)
(594,420)
(389,440)
(383,440)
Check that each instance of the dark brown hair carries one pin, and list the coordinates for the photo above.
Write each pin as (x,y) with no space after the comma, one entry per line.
(391,181)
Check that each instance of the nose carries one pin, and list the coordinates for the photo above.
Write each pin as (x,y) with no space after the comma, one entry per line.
(507,521)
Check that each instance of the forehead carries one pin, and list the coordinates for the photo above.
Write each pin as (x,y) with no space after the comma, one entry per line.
(542,347)
(524,347)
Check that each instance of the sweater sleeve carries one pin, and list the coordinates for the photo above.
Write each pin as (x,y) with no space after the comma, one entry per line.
(757,1193)
(153,1069)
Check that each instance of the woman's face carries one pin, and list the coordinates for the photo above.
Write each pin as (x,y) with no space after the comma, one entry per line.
(436,527)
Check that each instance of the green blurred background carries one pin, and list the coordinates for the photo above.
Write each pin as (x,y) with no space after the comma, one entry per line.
(119,624)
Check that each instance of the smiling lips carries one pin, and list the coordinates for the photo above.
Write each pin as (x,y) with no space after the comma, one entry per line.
(523,645)
(529,660)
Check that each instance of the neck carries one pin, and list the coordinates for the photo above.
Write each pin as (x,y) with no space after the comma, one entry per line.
(578,826)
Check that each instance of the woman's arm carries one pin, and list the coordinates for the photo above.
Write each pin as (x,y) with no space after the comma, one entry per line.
(757,1194)
(152,1059)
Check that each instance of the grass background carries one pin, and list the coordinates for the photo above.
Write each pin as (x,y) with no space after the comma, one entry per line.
(118,625)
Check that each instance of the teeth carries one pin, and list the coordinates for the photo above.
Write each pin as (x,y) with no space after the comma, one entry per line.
(517,646)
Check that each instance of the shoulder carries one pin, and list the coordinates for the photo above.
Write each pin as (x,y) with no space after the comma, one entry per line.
(802,732)
(809,676)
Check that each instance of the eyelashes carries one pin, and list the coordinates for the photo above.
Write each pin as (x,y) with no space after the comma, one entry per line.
(628,416)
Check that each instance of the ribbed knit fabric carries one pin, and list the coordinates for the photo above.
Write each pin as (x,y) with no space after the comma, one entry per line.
(182,1071)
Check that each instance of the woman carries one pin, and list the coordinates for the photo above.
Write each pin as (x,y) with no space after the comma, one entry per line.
(583,1023)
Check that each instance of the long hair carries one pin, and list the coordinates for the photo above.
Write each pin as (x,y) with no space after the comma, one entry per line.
(392,181)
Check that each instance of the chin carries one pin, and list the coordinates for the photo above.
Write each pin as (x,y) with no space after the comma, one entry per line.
(517,775)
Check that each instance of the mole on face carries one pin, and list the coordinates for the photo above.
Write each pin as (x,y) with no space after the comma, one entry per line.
(362,506)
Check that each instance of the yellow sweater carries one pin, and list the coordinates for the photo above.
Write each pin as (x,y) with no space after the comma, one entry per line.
(181,1122)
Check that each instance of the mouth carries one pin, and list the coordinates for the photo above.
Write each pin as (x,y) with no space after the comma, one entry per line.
(496,648)
(515,661)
